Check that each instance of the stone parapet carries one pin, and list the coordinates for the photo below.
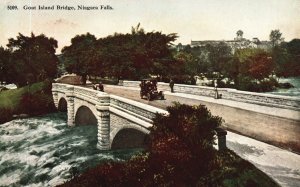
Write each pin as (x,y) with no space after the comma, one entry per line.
(230,94)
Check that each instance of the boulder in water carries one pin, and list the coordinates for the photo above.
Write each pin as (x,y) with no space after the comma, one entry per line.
(286,85)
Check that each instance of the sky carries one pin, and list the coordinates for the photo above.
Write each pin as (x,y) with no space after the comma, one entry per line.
(190,19)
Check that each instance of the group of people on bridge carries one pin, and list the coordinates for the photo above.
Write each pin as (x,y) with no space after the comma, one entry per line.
(150,86)
(99,87)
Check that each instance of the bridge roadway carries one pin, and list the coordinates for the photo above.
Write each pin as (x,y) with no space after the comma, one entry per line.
(268,124)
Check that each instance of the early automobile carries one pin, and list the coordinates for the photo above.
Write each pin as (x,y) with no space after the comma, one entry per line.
(149,90)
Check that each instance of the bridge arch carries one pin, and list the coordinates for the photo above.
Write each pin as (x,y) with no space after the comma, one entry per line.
(85,116)
(129,137)
(62,105)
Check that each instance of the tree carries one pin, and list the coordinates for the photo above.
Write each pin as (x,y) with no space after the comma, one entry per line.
(5,56)
(113,52)
(33,59)
(187,63)
(275,37)
(231,70)
(254,63)
(80,56)
(281,59)
(286,57)
(261,65)
(131,56)
(136,55)
(293,48)
(218,56)
(251,69)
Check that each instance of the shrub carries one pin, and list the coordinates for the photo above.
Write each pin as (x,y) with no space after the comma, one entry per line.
(183,141)
(268,85)
(265,85)
(36,103)
(6,114)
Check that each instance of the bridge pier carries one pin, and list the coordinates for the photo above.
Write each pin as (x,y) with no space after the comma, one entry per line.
(70,103)
(103,119)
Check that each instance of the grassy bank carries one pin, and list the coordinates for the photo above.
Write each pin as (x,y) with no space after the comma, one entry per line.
(11,98)
(32,100)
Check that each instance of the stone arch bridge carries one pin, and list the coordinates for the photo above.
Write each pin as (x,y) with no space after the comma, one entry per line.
(120,122)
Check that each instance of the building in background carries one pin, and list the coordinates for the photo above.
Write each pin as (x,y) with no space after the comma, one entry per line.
(237,43)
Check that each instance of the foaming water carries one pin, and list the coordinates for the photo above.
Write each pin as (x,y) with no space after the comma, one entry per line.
(44,151)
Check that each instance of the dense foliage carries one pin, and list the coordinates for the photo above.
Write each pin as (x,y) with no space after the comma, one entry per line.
(130,56)
(39,102)
(251,69)
(6,114)
(287,58)
(28,59)
(275,37)
(79,57)
(4,65)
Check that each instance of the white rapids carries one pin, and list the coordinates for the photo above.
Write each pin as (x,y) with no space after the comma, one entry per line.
(44,151)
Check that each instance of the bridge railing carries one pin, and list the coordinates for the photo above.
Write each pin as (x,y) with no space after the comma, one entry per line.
(57,87)
(230,94)
(119,105)
(136,109)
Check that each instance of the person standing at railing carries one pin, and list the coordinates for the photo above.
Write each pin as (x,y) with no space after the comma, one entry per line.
(216,89)
(172,85)
(101,87)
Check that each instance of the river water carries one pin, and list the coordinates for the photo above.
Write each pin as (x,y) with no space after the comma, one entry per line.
(294,92)
(44,151)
